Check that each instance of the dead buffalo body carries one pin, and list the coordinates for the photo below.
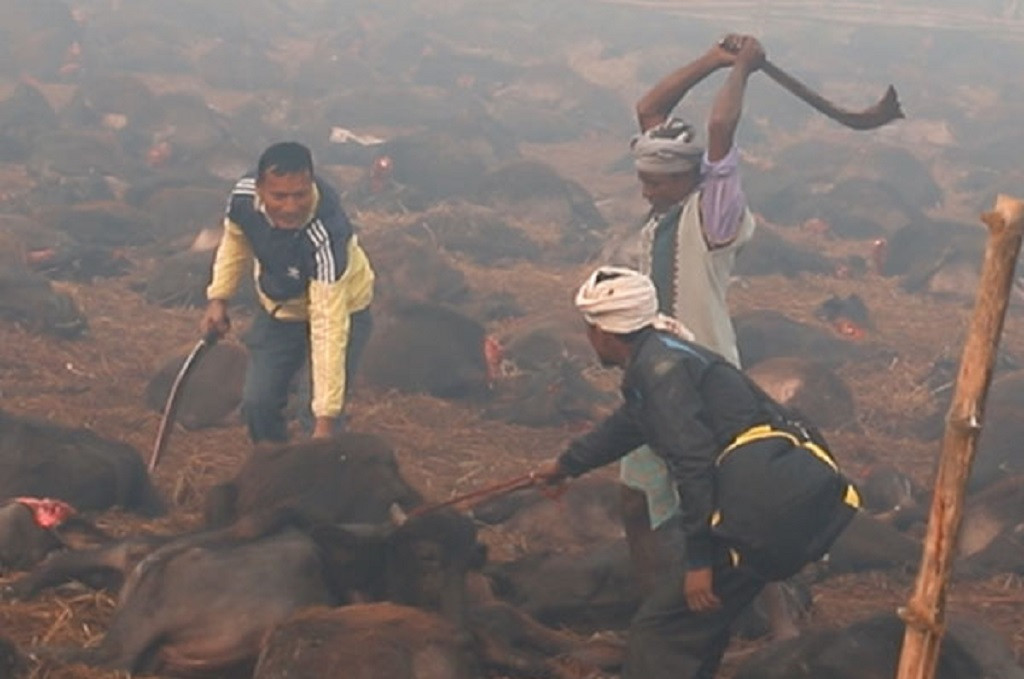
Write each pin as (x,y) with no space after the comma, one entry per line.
(869,544)
(39,36)
(478,233)
(870,650)
(768,253)
(766,334)
(920,248)
(41,459)
(23,542)
(510,642)
(106,223)
(29,300)
(55,253)
(103,566)
(190,608)
(596,589)
(991,533)
(201,604)
(410,266)
(809,387)
(385,641)
(428,349)
(577,570)
(999,443)
(437,165)
(588,513)
(542,380)
(545,398)
(370,641)
(179,211)
(352,478)
(34,529)
(12,664)
(24,115)
(212,390)
(535,193)
(954,276)
(180,280)
(892,496)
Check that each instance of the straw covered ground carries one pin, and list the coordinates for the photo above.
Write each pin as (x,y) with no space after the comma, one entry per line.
(446,448)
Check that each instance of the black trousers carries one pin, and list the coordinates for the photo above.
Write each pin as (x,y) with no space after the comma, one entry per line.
(669,641)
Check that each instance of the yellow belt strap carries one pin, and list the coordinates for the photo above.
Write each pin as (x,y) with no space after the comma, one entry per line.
(765,431)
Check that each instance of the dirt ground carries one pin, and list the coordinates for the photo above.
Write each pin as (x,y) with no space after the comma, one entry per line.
(446,448)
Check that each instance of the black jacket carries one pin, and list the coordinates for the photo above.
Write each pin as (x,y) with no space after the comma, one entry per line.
(688,404)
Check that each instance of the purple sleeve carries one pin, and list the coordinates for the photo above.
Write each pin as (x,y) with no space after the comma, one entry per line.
(722,202)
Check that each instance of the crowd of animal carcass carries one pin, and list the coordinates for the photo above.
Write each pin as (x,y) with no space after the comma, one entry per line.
(302,566)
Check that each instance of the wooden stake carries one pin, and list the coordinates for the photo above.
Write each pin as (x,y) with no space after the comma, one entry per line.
(924,614)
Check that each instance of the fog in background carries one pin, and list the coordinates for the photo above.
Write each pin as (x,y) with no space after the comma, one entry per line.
(515,73)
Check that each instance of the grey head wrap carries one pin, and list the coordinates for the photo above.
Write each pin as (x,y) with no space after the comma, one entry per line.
(668,148)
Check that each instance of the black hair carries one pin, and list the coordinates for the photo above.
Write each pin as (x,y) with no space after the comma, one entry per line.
(286,157)
(604,275)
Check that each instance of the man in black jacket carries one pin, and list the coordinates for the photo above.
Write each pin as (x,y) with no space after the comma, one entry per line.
(760,495)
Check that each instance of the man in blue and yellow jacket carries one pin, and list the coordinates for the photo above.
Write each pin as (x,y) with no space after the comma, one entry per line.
(314,283)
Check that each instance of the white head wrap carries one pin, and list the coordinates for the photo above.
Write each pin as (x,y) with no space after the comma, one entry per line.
(621,301)
(668,148)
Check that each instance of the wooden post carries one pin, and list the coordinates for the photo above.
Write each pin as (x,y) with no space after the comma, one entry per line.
(924,614)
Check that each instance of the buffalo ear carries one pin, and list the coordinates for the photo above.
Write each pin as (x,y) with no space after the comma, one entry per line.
(349,536)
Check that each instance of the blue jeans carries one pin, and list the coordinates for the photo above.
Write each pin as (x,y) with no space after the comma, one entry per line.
(278,352)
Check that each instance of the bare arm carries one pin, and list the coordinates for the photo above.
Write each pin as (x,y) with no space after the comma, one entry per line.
(728,105)
(655,106)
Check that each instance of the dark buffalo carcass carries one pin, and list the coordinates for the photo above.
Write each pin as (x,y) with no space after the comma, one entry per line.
(429,349)
(370,641)
(212,390)
(586,514)
(43,459)
(23,542)
(870,649)
(12,664)
(352,478)
(809,387)
(577,570)
(768,254)
(999,443)
(541,378)
(868,544)
(410,266)
(200,604)
(28,300)
(764,333)
(31,528)
(24,115)
(597,590)
(990,539)
(103,565)
(892,496)
(385,641)
(560,395)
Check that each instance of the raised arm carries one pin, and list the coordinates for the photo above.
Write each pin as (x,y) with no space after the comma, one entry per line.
(654,107)
(728,104)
